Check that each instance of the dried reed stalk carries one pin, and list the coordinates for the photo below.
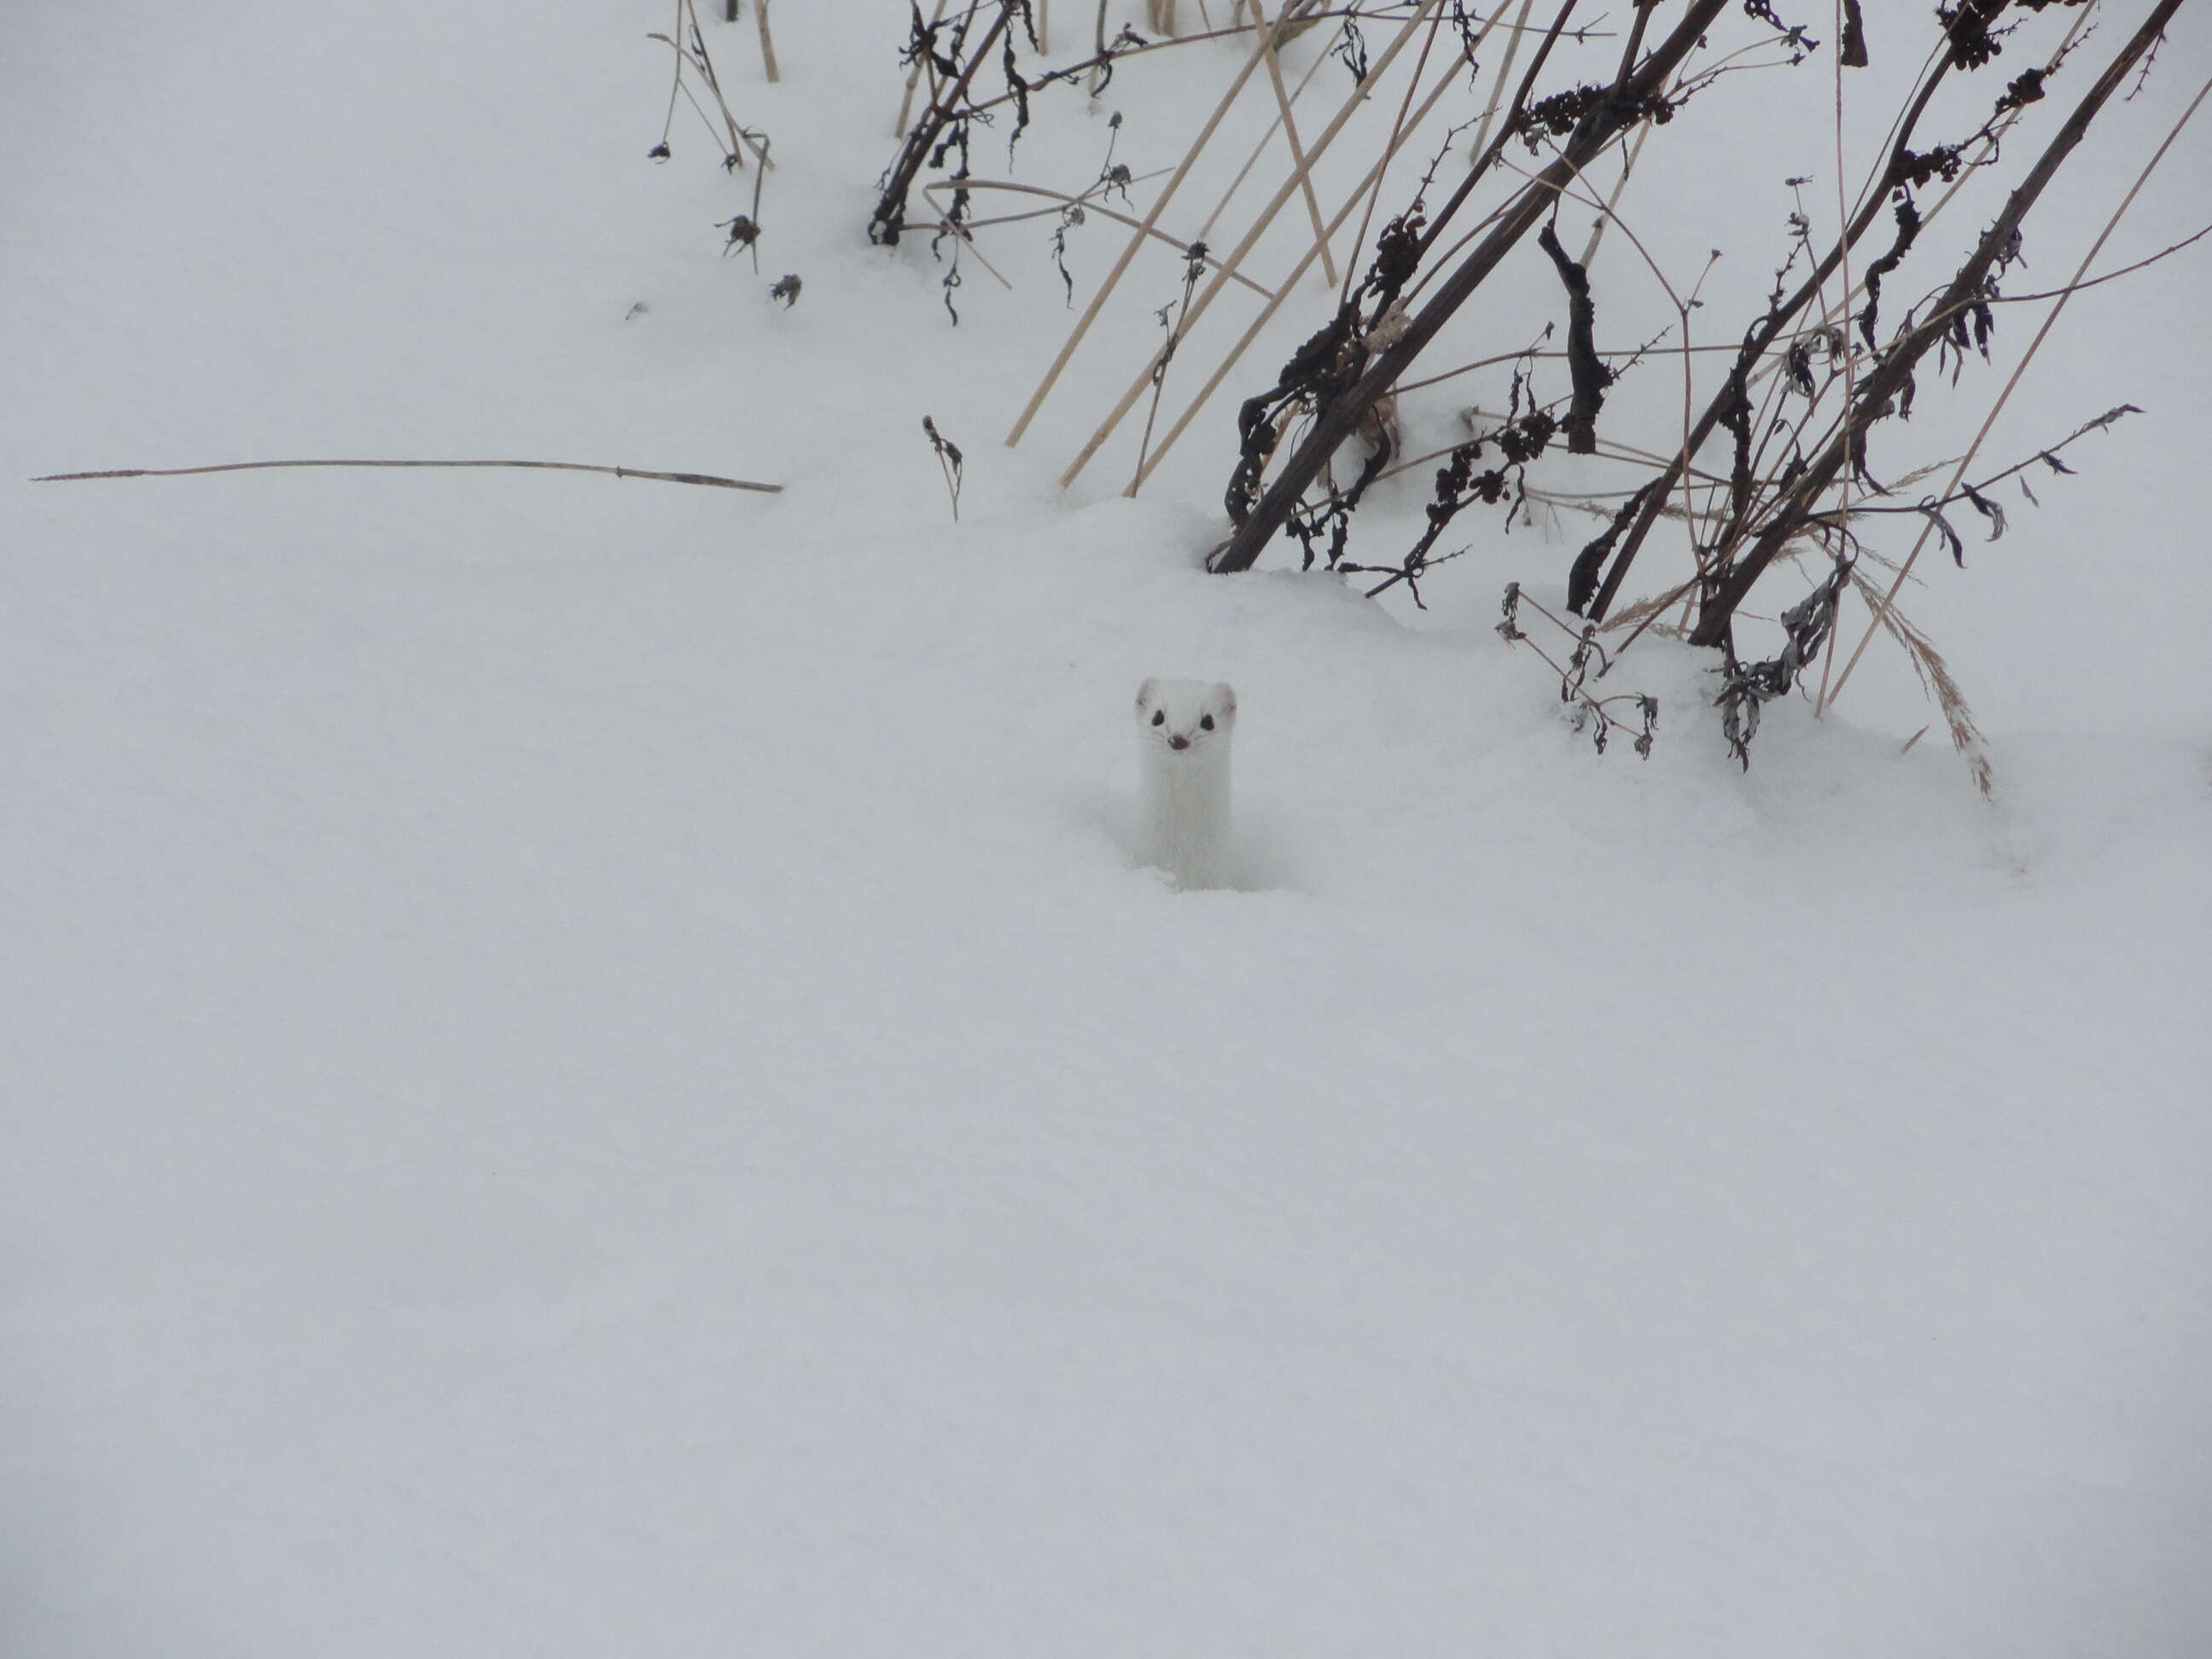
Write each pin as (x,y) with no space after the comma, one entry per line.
(1259,227)
(1504,73)
(767,41)
(1236,353)
(1129,253)
(1291,135)
(1851,359)
(1085,200)
(1935,675)
(1259,149)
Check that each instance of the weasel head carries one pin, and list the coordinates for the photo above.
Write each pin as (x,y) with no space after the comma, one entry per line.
(1185,721)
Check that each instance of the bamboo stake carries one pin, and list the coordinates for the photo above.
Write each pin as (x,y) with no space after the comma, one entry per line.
(1497,84)
(962,235)
(1258,151)
(1129,253)
(1612,202)
(1221,372)
(1291,134)
(767,42)
(1098,73)
(1258,228)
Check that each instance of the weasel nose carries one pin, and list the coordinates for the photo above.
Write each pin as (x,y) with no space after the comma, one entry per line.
(1178,743)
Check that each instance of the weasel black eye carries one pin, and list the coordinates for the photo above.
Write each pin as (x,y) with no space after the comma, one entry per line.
(1208,722)
(1160,717)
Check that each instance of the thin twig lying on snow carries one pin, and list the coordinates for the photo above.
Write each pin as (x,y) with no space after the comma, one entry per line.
(556,466)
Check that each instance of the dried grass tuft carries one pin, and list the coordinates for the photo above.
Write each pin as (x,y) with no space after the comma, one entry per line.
(1937,679)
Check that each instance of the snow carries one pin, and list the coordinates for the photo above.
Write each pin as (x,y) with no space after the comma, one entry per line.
(586,1068)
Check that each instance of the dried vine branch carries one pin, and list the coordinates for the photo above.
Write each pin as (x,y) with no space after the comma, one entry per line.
(890,217)
(1586,593)
(1606,116)
(1265,217)
(1588,375)
(1590,711)
(1886,382)
(1968,44)
(1088,205)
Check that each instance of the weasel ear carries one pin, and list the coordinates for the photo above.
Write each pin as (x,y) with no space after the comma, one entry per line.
(1145,694)
(1227,694)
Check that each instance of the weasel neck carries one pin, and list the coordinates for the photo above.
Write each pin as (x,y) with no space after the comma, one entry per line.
(1186,829)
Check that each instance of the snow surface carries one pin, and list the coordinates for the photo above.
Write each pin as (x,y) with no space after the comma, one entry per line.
(586,1069)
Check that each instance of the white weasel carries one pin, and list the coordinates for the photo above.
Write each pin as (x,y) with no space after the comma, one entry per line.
(1182,734)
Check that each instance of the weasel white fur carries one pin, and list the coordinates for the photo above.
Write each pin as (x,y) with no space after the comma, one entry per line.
(1183,729)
